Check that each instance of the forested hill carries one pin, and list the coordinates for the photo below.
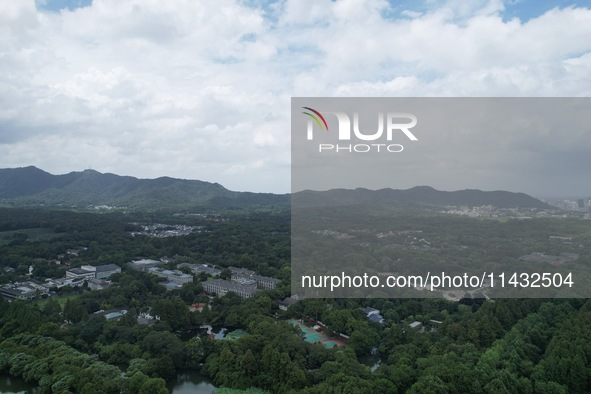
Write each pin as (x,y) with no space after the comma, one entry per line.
(33,186)
(423,195)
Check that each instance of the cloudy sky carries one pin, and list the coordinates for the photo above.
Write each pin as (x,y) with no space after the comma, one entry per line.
(201,89)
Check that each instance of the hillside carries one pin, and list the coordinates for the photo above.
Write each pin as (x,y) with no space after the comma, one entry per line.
(423,195)
(33,186)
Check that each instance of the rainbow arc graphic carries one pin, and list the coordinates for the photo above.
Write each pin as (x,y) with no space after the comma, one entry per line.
(318,118)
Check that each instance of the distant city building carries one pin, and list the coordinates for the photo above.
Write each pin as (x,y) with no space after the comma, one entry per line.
(221,287)
(538,257)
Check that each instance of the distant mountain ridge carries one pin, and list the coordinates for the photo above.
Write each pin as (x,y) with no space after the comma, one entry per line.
(423,195)
(33,186)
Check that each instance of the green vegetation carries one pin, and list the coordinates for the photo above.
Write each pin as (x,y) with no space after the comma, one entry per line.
(28,234)
(504,345)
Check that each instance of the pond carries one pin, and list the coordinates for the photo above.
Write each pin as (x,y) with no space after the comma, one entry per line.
(190,382)
(185,382)
(9,384)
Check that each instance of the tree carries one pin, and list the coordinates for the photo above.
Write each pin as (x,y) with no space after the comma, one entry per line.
(74,311)
(52,310)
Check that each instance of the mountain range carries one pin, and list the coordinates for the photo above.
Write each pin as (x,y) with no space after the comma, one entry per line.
(423,195)
(89,188)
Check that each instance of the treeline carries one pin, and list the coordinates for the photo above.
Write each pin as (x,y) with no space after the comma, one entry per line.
(58,368)
(510,346)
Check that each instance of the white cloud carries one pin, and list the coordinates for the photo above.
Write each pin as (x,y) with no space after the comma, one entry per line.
(200,89)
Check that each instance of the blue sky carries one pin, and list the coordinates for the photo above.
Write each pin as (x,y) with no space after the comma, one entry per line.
(58,5)
(522,9)
(202,89)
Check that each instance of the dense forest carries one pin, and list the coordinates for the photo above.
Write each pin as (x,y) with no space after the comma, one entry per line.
(473,345)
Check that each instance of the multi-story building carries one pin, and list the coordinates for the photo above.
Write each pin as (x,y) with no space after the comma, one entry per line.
(80,273)
(23,290)
(242,274)
(173,276)
(266,282)
(91,272)
(104,271)
(238,273)
(202,268)
(221,287)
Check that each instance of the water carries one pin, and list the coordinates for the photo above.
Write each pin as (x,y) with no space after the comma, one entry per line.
(190,382)
(373,361)
(12,385)
(186,382)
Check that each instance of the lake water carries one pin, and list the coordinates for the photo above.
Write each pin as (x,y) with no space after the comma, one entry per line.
(10,385)
(190,382)
(186,382)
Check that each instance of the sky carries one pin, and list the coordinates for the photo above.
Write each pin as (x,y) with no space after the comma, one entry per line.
(202,89)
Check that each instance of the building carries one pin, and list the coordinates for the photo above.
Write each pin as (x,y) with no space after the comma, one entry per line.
(98,284)
(241,273)
(144,264)
(176,277)
(61,282)
(202,268)
(266,282)
(91,272)
(104,271)
(286,303)
(23,290)
(80,273)
(115,315)
(374,315)
(263,282)
(17,293)
(221,287)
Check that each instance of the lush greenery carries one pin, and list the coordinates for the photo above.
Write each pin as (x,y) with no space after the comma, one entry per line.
(497,346)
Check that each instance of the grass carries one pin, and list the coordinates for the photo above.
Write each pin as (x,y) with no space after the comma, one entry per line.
(61,299)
